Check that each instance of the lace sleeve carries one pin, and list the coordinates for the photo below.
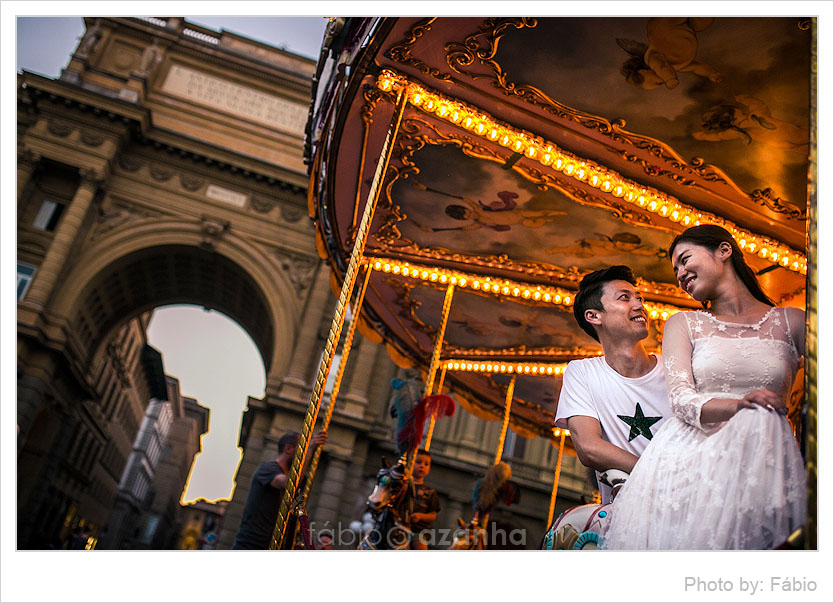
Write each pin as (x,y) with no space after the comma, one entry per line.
(684,399)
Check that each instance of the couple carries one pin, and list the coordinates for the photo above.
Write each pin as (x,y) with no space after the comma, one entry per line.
(723,470)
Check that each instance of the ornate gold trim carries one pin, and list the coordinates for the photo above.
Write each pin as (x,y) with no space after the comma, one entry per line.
(401,50)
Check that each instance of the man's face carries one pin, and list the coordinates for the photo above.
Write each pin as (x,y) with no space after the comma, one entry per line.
(422,464)
(624,314)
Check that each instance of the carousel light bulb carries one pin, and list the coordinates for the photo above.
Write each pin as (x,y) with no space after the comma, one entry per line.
(530,152)
(550,370)
(518,145)
(675,216)
(567,300)
(416,98)
(516,291)
(489,368)
(385,84)
(519,368)
(557,299)
(456,116)
(537,295)
(495,288)
(505,141)
(377,265)
(559,163)
(664,210)
(480,127)
(429,105)
(569,168)
(454,280)
(752,246)
(618,191)
(467,123)
(546,159)
(606,185)
(580,173)
(443,278)
(763,252)
(664,315)
(547,297)
(652,205)
(629,196)
(468,366)
(593,180)
(525,294)
(505,290)
(534,370)
(641,201)
(774,257)
(424,275)
(462,282)
(654,314)
(493,134)
(433,277)
(386,267)
(396,269)
(785,261)
(476,285)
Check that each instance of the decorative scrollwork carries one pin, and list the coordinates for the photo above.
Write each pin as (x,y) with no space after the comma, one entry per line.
(401,50)
(767,198)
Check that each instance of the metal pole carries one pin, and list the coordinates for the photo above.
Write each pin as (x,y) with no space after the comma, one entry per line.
(556,480)
(435,360)
(507,405)
(337,383)
(337,324)
(434,414)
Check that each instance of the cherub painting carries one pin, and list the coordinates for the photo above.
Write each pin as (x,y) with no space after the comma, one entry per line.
(749,119)
(603,245)
(672,47)
(499,215)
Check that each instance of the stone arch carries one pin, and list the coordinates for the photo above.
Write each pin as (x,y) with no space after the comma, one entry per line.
(98,289)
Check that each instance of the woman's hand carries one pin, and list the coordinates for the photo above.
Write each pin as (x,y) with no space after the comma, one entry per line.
(764,398)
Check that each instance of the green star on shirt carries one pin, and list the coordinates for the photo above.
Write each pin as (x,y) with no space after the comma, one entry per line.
(640,424)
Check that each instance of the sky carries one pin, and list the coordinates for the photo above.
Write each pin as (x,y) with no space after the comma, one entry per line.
(222,576)
(216,362)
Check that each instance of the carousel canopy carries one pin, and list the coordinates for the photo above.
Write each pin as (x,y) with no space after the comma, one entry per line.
(533,151)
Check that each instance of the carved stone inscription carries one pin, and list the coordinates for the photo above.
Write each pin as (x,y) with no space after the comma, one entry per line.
(248,103)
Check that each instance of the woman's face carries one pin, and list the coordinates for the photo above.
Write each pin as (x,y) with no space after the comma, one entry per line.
(697,269)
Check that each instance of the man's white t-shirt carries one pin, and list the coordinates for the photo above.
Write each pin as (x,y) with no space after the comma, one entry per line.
(629,410)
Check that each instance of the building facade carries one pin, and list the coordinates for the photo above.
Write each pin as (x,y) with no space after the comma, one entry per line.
(165,166)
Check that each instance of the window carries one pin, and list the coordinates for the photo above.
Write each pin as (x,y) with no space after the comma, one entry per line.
(48,215)
(25,274)
(514,446)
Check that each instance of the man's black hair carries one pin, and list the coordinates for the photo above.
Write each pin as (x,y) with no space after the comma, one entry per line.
(291,437)
(590,293)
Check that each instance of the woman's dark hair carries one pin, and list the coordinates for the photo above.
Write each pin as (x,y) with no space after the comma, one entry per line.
(710,237)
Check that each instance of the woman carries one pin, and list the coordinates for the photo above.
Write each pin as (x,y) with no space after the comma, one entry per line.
(725,472)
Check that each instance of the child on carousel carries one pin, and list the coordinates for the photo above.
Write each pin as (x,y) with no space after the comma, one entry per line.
(426,503)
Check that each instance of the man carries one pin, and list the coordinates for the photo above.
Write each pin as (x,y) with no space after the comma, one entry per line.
(426,502)
(266,489)
(612,404)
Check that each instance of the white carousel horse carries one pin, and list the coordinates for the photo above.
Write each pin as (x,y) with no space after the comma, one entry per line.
(578,528)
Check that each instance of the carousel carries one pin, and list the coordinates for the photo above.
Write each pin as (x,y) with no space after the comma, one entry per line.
(465,173)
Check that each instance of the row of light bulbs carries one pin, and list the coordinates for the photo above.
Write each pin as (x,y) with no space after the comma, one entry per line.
(548,154)
(502,287)
(520,368)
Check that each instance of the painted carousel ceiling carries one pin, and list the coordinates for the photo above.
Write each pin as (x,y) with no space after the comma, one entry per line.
(533,151)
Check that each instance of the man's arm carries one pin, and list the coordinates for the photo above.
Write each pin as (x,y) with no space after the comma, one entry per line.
(593,451)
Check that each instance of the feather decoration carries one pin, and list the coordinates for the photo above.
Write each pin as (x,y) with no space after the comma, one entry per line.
(487,490)
(411,409)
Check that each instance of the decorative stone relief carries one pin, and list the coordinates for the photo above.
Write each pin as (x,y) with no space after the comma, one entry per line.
(131,164)
(191,183)
(58,128)
(159,173)
(212,231)
(300,271)
(292,213)
(118,215)
(262,205)
(91,139)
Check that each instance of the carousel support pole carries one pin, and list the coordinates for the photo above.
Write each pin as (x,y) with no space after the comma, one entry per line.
(337,383)
(435,362)
(433,418)
(556,475)
(336,326)
(507,405)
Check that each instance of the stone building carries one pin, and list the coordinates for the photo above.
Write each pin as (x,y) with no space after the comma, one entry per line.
(165,166)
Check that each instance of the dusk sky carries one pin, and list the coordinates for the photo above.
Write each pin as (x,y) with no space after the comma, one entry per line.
(213,357)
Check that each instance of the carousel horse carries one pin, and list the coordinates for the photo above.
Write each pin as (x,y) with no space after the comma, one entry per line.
(578,528)
(390,504)
(495,487)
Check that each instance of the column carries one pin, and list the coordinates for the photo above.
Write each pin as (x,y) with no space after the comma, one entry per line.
(332,486)
(26,164)
(361,364)
(307,336)
(62,241)
(453,510)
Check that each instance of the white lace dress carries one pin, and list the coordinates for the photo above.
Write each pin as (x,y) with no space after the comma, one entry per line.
(737,484)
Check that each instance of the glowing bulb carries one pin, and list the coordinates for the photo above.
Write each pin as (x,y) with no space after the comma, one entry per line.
(525,294)
(456,116)
(606,185)
(618,191)
(569,168)
(416,98)
(495,288)
(462,282)
(550,370)
(516,291)
(377,265)
(433,277)
(396,269)
(559,163)
(653,205)
(480,127)
(537,295)
(493,134)
(476,285)
(557,299)
(386,267)
(443,278)
(505,290)
(567,300)
(547,297)
(454,280)
(424,275)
